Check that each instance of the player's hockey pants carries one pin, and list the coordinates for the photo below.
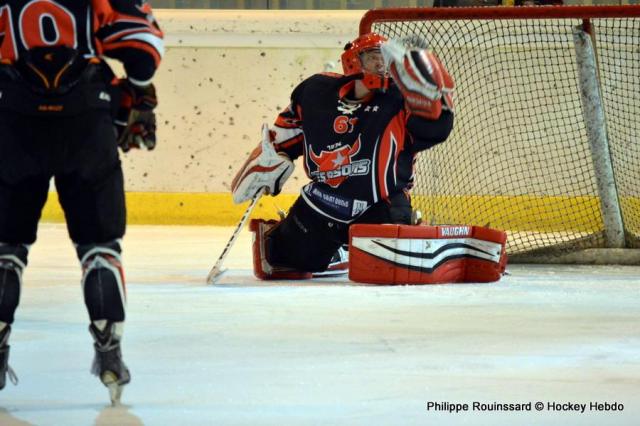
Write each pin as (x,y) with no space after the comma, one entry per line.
(80,153)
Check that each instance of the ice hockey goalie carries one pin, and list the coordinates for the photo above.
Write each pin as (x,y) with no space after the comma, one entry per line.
(406,254)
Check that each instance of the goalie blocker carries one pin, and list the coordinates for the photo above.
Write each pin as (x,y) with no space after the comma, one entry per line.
(403,254)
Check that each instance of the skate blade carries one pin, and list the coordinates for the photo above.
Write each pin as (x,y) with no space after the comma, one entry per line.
(115,390)
(330,273)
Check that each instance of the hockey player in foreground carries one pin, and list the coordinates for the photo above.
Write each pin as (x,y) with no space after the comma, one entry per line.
(59,103)
(358,135)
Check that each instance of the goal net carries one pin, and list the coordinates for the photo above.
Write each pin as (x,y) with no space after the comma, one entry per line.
(546,142)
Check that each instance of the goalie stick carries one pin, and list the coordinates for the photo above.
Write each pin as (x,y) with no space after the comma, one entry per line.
(216,271)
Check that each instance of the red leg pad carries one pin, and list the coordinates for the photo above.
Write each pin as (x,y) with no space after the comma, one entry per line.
(405,254)
(261,267)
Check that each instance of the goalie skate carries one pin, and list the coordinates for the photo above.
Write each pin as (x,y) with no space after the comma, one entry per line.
(108,364)
(339,265)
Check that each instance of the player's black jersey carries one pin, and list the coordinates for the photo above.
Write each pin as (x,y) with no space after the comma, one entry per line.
(356,154)
(122,29)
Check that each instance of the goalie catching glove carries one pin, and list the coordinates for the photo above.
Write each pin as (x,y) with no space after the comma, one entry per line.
(265,168)
(135,120)
(424,82)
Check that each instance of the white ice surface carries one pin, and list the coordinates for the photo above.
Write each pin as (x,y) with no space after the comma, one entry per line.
(321,353)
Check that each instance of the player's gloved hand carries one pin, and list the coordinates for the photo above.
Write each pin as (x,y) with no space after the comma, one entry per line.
(424,82)
(265,168)
(135,120)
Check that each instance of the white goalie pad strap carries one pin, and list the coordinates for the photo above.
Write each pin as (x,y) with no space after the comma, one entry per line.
(264,169)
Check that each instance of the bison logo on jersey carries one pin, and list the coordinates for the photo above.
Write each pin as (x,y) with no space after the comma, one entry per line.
(335,166)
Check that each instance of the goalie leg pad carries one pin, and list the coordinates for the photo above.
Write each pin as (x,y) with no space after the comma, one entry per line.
(405,254)
(262,268)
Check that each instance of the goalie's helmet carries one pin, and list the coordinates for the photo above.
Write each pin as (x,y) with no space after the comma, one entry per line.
(351,61)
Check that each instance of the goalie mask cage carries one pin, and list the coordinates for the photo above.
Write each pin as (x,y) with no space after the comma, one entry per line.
(546,140)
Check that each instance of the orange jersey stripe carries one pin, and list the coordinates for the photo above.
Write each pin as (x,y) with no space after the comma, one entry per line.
(134,44)
(289,143)
(391,144)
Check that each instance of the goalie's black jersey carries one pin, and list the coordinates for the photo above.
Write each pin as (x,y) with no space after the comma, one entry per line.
(356,154)
(122,29)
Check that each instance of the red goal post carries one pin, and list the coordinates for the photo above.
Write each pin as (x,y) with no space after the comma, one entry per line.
(376,16)
(546,143)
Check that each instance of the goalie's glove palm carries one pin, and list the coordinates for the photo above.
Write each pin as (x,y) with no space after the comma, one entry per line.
(424,82)
(264,169)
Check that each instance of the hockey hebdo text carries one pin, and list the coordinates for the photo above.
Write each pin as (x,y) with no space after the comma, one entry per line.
(547,406)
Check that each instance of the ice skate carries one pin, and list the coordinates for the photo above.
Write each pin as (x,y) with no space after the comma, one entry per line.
(108,364)
(5,370)
(338,266)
